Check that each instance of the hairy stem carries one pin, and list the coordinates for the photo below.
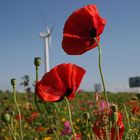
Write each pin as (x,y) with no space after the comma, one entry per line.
(100,69)
(19,113)
(70,117)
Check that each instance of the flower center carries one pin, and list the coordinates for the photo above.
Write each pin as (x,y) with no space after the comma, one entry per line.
(68,92)
(92,32)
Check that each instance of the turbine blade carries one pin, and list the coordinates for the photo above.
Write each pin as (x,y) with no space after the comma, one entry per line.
(48,30)
(44,19)
(52,28)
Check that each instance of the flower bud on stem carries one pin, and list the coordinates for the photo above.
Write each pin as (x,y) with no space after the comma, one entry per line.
(13,83)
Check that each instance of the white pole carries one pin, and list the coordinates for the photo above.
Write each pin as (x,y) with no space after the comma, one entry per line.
(46,54)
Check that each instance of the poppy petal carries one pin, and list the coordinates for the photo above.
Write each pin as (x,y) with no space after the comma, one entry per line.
(71,44)
(59,81)
(77,37)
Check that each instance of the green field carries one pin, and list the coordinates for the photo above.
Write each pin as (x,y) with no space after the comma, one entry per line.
(44,128)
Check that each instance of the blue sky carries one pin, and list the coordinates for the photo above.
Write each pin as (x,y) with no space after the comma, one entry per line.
(22,21)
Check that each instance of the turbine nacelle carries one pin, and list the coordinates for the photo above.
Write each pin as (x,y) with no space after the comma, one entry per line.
(44,35)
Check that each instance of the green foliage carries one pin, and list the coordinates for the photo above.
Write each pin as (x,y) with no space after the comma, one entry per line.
(57,113)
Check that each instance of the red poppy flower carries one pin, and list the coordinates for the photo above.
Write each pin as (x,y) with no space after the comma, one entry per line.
(62,80)
(34,115)
(80,29)
(18,117)
(135,110)
(100,131)
(40,128)
(120,126)
(78,137)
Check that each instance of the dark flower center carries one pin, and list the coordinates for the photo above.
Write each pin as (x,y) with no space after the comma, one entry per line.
(92,32)
(68,92)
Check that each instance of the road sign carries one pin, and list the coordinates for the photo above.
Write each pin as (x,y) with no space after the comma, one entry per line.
(134,82)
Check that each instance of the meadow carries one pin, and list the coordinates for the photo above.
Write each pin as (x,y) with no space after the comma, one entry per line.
(50,120)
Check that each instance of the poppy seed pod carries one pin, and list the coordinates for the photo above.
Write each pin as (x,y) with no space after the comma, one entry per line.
(37,61)
(5,117)
(13,82)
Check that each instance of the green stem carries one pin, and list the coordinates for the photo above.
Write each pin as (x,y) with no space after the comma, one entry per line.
(12,125)
(100,69)
(11,132)
(117,131)
(35,97)
(36,73)
(38,108)
(127,116)
(129,134)
(19,113)
(70,117)
(57,138)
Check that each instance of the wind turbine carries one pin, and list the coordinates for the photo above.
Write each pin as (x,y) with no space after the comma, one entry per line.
(46,36)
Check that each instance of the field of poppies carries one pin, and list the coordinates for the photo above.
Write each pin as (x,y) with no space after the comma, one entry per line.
(57,110)
(86,109)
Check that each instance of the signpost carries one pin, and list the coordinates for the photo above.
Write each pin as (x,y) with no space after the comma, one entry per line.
(134,82)
(97,87)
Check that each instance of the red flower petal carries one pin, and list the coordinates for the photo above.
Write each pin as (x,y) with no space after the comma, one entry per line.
(120,126)
(100,132)
(80,28)
(62,80)
(135,110)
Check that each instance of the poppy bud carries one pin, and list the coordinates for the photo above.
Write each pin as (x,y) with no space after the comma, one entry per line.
(5,117)
(13,82)
(37,61)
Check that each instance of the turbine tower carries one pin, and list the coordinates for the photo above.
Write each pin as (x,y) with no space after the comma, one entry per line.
(46,36)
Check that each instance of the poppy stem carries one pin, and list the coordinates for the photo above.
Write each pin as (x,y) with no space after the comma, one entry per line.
(70,117)
(11,132)
(100,69)
(36,102)
(37,62)
(117,131)
(57,138)
(36,73)
(35,85)
(127,116)
(35,97)
(35,93)
(19,113)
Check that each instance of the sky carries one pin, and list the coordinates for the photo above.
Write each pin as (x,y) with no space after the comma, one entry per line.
(21,22)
